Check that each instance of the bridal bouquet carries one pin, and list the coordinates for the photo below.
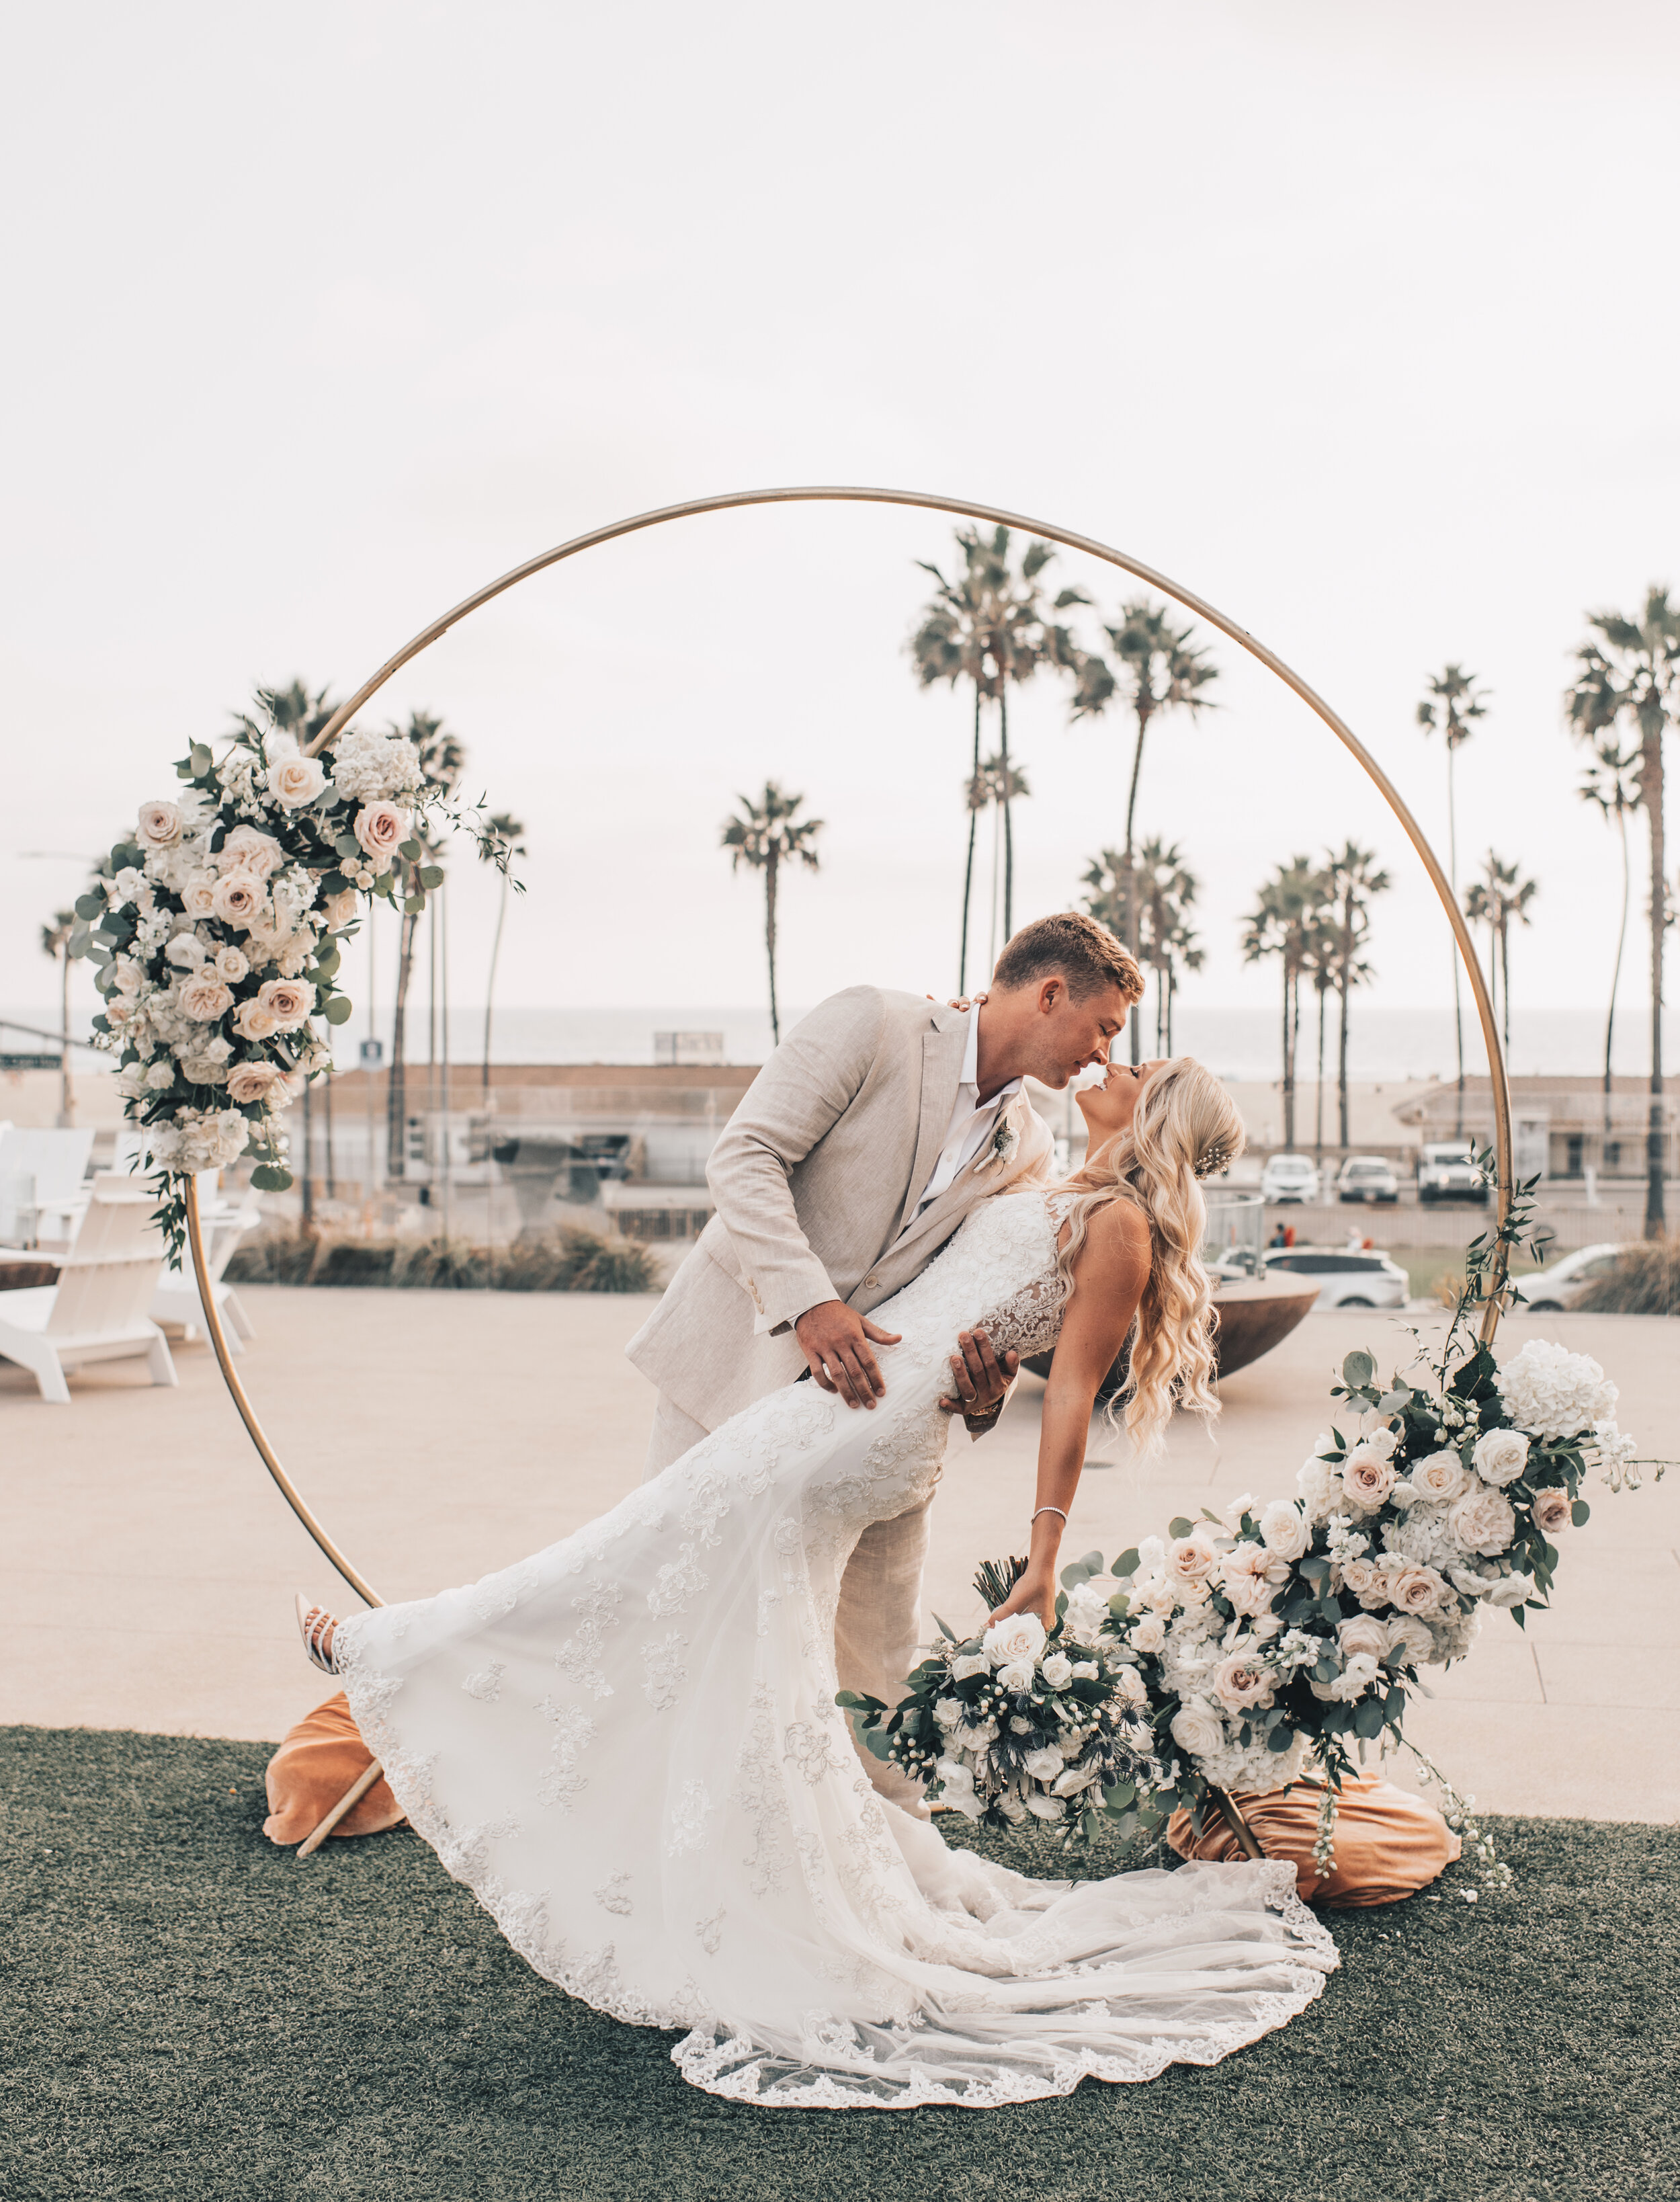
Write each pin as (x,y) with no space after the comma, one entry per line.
(1237,1650)
(1017,1722)
(216,936)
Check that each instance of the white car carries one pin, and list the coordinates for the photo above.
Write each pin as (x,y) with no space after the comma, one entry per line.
(1367,1177)
(1447,1171)
(1560,1286)
(1344,1279)
(1288,1177)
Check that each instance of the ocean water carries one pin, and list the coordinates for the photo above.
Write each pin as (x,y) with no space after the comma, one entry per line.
(1383,1044)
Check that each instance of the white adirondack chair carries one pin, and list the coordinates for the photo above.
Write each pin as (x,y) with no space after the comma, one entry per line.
(176,1300)
(42,1195)
(97,1311)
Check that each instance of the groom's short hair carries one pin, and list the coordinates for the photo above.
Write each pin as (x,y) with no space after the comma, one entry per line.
(1086,954)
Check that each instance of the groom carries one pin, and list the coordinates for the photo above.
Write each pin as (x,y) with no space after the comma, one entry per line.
(875,1128)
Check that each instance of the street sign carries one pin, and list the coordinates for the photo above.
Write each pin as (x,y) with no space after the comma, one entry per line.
(372,1054)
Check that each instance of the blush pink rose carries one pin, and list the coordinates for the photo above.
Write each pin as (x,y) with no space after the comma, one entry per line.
(1240,1683)
(238,898)
(1364,1633)
(232,964)
(160,826)
(1367,1477)
(295,780)
(380,829)
(253,1081)
(1482,1522)
(1551,1510)
(255,1020)
(1416,1590)
(288,1001)
(1191,1560)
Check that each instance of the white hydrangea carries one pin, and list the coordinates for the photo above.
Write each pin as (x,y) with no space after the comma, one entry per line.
(1453,1634)
(1088,1609)
(1319,1483)
(1425,1537)
(373,768)
(1553,1393)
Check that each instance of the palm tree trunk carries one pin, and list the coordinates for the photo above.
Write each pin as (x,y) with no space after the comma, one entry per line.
(1452,876)
(770,942)
(968,869)
(1133,932)
(1342,1056)
(396,1087)
(1008,821)
(1318,1130)
(490,983)
(1615,974)
(1171,989)
(1651,780)
(1288,1067)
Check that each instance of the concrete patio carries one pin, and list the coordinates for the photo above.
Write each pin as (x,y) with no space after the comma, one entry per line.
(150,1563)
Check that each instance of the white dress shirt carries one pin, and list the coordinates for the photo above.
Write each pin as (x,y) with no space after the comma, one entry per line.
(973,1120)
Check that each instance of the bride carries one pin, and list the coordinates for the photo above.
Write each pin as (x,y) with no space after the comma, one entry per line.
(628,1746)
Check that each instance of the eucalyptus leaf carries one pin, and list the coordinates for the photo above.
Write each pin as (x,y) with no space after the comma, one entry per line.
(1178,1526)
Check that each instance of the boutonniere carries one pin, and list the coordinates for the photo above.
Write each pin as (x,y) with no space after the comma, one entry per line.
(1004,1141)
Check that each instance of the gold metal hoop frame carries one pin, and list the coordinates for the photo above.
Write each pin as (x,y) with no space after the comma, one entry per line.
(736,500)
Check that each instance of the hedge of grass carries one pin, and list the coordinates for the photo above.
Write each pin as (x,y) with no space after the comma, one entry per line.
(570,1260)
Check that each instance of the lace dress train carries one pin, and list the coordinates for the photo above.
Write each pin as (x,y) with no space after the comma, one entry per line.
(628,1748)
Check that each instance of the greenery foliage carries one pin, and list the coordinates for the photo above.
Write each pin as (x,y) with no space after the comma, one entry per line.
(572,1260)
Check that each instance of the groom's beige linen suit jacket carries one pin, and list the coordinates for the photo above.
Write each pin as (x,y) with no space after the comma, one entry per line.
(817,1180)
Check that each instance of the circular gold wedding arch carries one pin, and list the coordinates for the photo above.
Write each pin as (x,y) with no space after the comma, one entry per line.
(961,507)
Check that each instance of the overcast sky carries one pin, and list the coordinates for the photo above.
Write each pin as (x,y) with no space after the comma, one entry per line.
(1360,321)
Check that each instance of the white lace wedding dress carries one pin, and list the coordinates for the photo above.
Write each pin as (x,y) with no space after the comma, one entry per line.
(628,1748)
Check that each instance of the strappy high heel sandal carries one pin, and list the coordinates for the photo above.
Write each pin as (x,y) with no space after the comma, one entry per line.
(316,1626)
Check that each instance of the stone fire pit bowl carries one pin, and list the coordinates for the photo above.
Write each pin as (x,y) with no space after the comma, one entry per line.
(1254,1316)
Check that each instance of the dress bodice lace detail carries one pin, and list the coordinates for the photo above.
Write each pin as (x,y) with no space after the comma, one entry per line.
(636,1731)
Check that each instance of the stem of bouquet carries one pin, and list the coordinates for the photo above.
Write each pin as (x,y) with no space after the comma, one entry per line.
(1246,1841)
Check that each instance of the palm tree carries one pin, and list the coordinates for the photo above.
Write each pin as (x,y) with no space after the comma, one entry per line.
(1453,704)
(1159,670)
(766,836)
(443,759)
(506,843)
(1278,926)
(1612,783)
(1352,877)
(1494,899)
(1166,892)
(56,936)
(990,624)
(994,788)
(1318,967)
(1631,667)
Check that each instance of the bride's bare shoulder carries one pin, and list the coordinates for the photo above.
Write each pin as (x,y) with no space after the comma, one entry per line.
(1118,1238)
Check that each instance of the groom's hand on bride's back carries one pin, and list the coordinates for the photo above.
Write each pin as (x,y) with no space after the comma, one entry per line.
(835,1340)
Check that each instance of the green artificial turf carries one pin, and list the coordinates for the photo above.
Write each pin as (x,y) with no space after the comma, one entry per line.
(190,2013)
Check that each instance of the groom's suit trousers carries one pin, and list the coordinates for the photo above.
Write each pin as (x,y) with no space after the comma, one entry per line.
(878,1627)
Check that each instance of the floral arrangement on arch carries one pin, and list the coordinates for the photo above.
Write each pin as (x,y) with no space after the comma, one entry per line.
(216,935)
(1237,1652)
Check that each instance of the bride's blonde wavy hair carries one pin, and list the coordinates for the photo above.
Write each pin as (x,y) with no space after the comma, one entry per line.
(1185,1127)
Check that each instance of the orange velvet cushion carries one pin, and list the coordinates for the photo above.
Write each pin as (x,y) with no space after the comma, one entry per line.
(1388,1845)
(321,1757)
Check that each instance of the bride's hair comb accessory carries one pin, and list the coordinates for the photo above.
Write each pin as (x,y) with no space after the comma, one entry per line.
(1214,1159)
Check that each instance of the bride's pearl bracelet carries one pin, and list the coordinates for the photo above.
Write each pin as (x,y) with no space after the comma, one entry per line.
(1051,1509)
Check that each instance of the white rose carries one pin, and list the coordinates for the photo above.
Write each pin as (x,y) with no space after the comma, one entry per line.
(957,1788)
(288,1002)
(232,964)
(160,1076)
(1042,1765)
(246,849)
(1363,1633)
(1233,1514)
(1198,1730)
(204,998)
(966,1665)
(1383,1442)
(1509,1590)
(295,780)
(1439,1478)
(1057,1670)
(1016,1642)
(160,825)
(255,1020)
(1409,1636)
(1017,1681)
(1285,1530)
(1192,1559)
(1150,1635)
(1087,1670)
(199,895)
(185,952)
(1500,1457)
(1356,1678)
(1241,1682)
(1416,1590)
(1072,1778)
(340,907)
(1482,1522)
(1046,1808)
(1131,1689)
